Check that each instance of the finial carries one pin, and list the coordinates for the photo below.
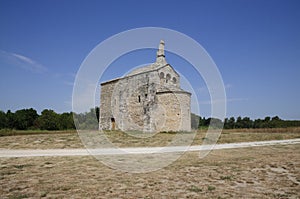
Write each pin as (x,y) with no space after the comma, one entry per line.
(161,49)
(160,55)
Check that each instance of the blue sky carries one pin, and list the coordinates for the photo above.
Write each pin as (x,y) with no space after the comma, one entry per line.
(255,44)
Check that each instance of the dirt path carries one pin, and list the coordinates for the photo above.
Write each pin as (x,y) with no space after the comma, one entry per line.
(137,150)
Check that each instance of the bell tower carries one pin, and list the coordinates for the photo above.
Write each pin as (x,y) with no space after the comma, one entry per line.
(160,55)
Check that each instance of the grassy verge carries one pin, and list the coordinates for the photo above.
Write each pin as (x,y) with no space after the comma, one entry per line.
(70,139)
(13,132)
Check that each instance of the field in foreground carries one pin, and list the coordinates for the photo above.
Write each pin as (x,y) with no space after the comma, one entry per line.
(260,172)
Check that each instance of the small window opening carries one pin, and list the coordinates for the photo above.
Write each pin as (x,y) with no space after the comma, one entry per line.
(168,77)
(146,95)
(161,75)
(139,98)
(174,80)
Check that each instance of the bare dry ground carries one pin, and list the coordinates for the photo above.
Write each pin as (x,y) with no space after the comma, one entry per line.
(261,172)
(258,172)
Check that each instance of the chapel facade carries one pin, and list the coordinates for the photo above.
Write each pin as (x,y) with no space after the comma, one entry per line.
(148,99)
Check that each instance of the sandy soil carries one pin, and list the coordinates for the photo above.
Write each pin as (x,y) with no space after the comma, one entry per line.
(260,172)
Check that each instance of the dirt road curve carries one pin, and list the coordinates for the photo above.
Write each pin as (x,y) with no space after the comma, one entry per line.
(137,150)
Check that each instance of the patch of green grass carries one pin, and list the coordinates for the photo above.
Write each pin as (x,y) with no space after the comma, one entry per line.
(13,132)
(195,189)
(18,196)
(210,188)
(6,132)
(21,166)
(44,194)
(278,137)
(226,177)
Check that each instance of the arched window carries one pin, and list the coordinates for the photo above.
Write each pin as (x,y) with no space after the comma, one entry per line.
(168,77)
(161,75)
(174,80)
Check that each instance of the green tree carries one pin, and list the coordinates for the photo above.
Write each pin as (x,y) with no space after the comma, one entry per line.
(229,123)
(87,120)
(24,118)
(276,122)
(49,120)
(239,123)
(267,122)
(247,122)
(66,121)
(267,119)
(202,122)
(216,123)
(258,123)
(10,118)
(3,120)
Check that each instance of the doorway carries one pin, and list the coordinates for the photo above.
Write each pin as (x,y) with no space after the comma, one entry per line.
(113,124)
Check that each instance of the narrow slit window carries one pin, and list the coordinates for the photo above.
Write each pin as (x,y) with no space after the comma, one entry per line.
(162,75)
(139,98)
(168,77)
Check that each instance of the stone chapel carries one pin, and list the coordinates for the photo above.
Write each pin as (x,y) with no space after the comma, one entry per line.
(148,99)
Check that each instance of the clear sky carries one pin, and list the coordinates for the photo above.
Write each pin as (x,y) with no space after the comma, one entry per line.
(255,44)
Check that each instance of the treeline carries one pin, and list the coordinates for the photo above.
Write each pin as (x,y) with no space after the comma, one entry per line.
(29,119)
(245,122)
(267,122)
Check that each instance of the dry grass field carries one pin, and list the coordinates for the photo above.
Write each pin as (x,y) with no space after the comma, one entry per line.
(258,172)
(70,139)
